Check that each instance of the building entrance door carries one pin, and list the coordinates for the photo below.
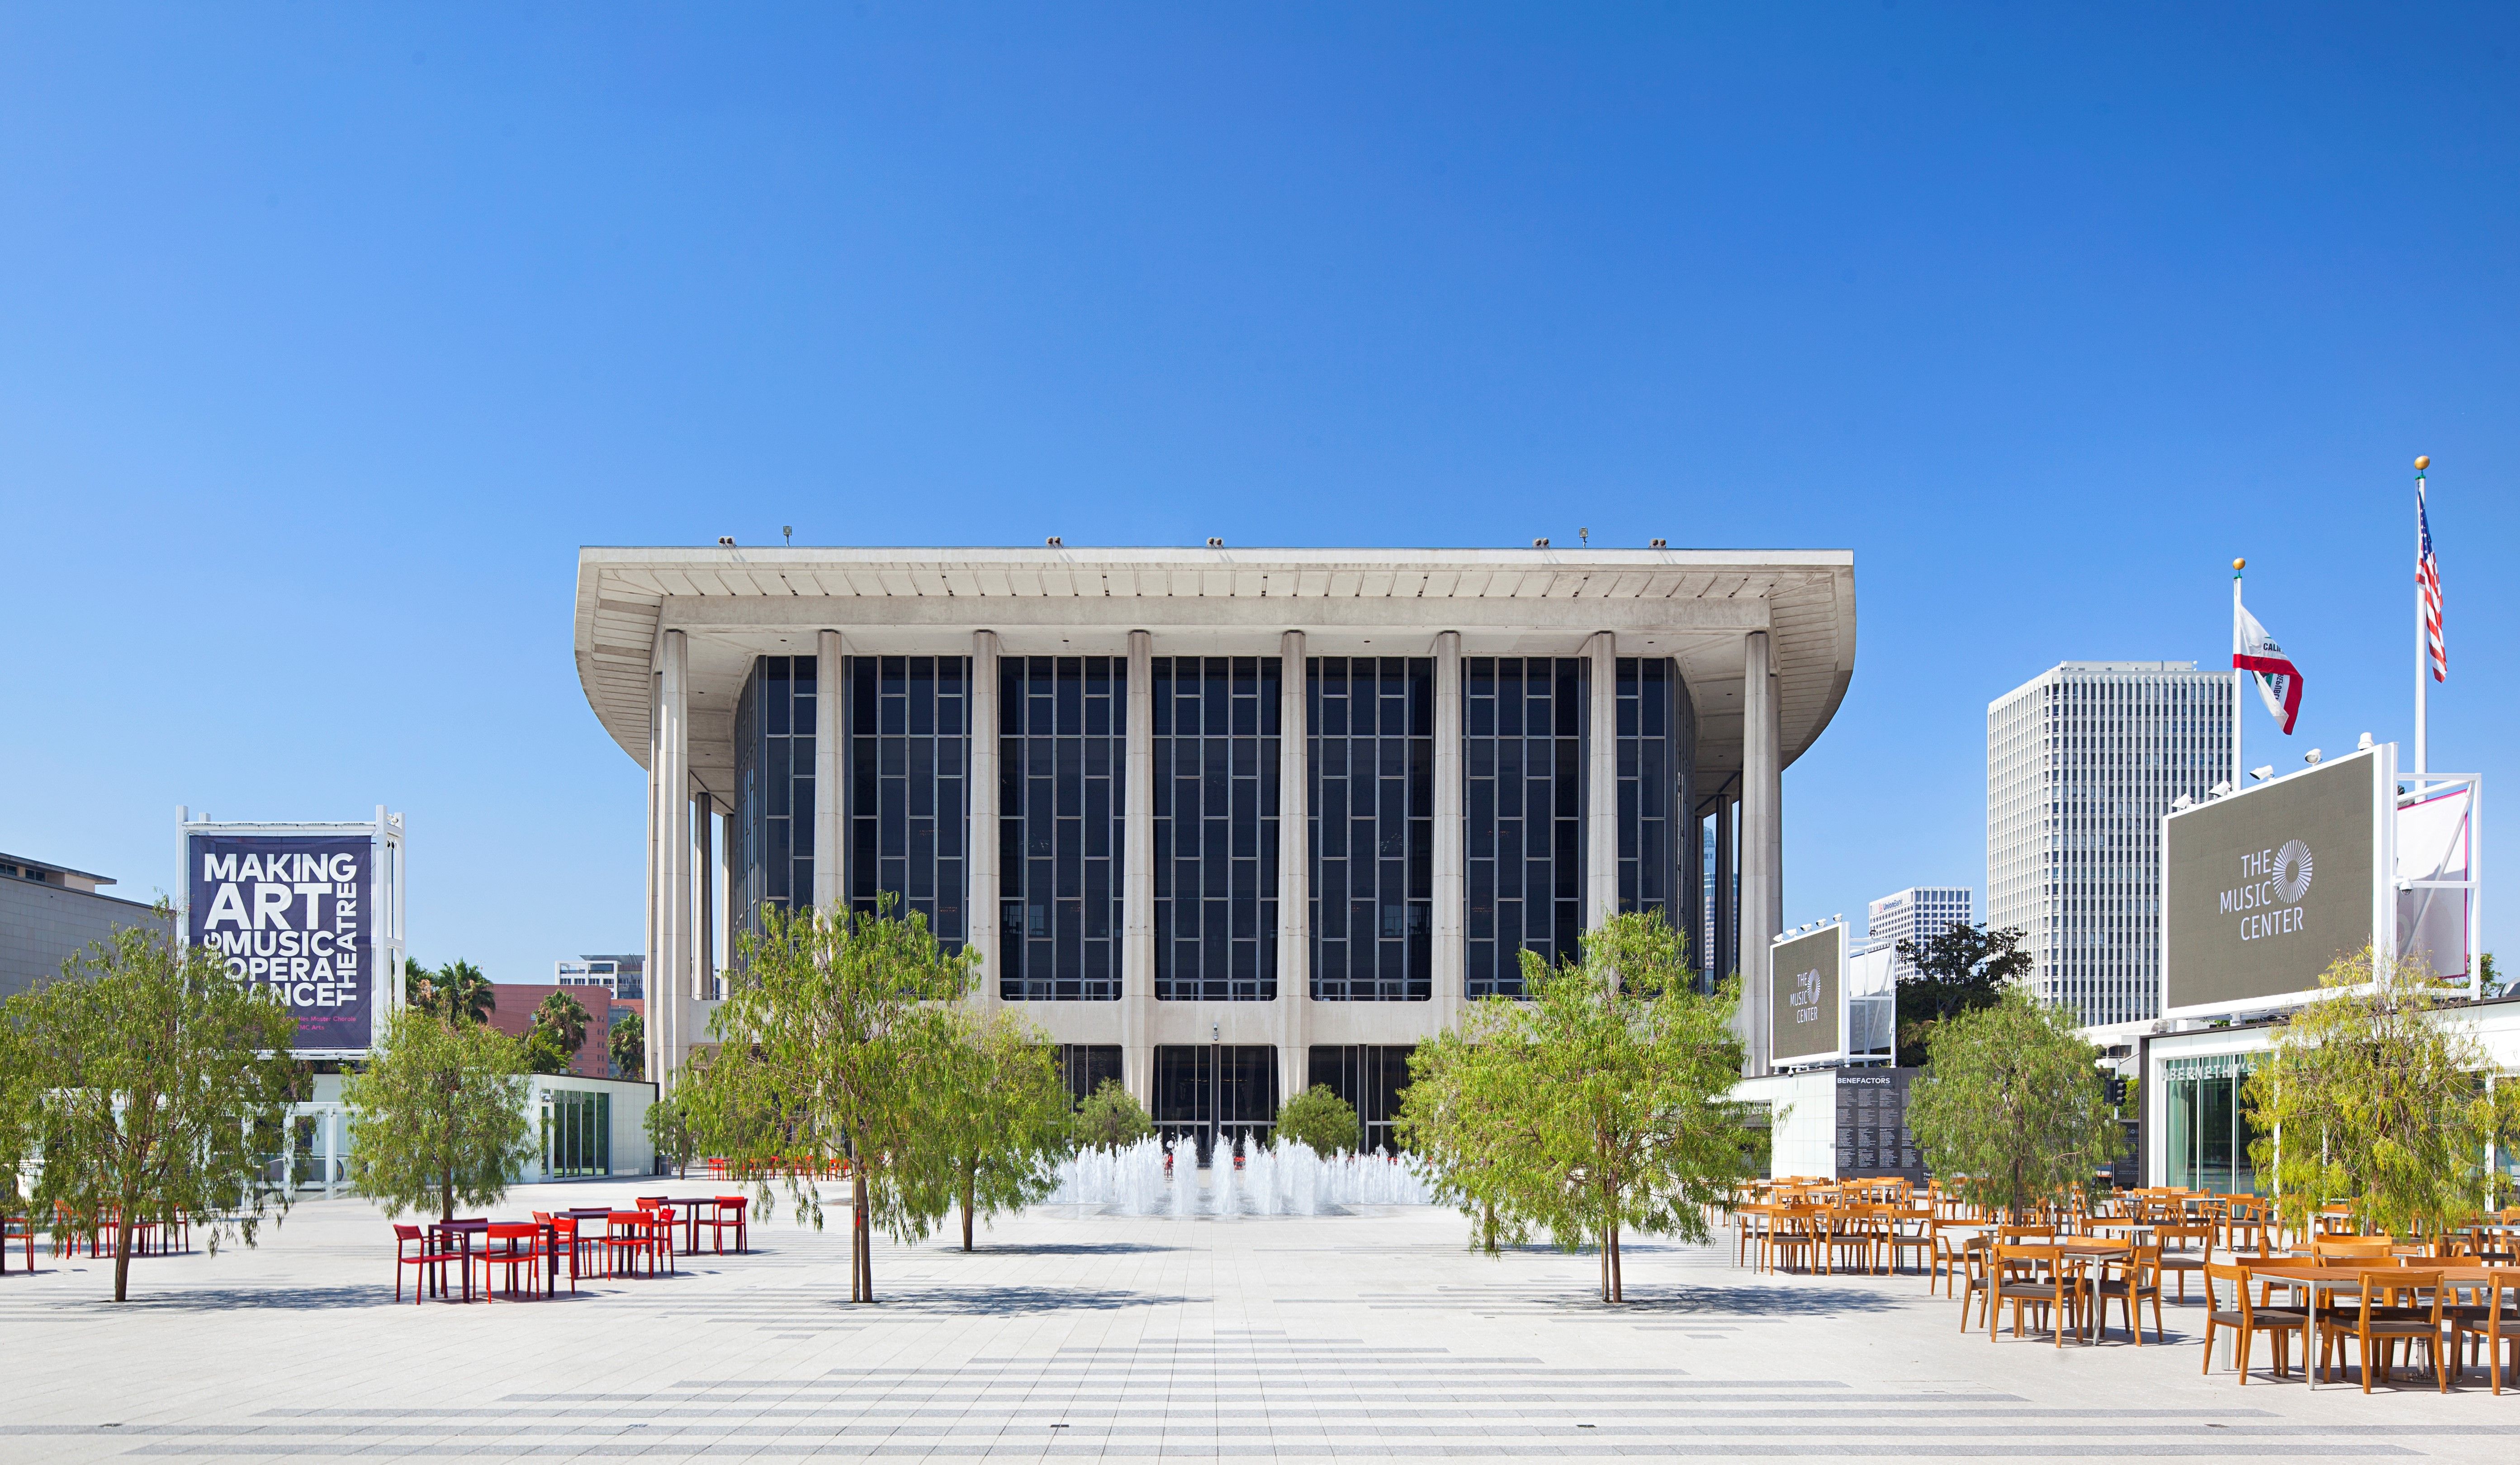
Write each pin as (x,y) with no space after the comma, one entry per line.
(1215,1095)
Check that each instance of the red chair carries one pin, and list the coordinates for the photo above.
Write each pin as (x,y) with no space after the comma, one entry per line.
(660,1233)
(405,1238)
(510,1244)
(728,1213)
(558,1242)
(626,1239)
(22,1228)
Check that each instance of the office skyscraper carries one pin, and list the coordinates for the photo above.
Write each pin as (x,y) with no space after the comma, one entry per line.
(1919,913)
(2082,762)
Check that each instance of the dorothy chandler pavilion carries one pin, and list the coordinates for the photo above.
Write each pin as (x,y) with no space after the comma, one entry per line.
(1225,822)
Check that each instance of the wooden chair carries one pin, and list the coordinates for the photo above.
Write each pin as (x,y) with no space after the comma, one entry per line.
(2176,1258)
(2250,1319)
(2137,1280)
(2037,1276)
(2379,1323)
(2491,1323)
(1971,1280)
(1795,1230)
(1911,1234)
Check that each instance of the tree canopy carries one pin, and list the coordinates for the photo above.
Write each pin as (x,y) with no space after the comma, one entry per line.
(629,1043)
(1598,1107)
(457,990)
(2013,1107)
(153,1087)
(1111,1119)
(1320,1118)
(2368,1095)
(1960,970)
(831,1023)
(438,1115)
(557,1034)
(998,1118)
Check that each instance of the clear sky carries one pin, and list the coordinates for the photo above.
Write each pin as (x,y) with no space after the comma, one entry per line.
(329,333)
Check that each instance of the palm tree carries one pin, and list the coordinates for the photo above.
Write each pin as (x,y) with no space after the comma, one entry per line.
(564,1018)
(467,995)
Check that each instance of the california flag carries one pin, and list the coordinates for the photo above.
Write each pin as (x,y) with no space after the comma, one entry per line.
(2256,653)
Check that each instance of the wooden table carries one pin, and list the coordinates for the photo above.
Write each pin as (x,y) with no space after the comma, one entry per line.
(2315,1280)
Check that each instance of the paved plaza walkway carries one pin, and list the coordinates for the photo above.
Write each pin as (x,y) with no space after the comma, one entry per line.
(1067,1336)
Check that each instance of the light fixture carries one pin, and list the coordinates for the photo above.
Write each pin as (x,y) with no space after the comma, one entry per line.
(1660,544)
(787,531)
(726,541)
(2364,744)
(1052,541)
(1215,543)
(1539,544)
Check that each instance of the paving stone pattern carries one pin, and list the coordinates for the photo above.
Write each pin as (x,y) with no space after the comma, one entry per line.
(1358,1337)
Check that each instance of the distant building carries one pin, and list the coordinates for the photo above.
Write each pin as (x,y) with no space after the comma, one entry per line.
(50,913)
(2082,763)
(624,977)
(1919,913)
(515,1016)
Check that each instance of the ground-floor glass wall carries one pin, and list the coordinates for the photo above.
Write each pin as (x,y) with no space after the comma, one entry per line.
(2206,1139)
(1086,1067)
(1370,1076)
(577,1133)
(1213,1094)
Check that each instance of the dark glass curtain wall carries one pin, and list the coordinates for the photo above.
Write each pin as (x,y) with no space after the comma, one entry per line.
(1063,759)
(774,787)
(1372,1078)
(1372,722)
(908,743)
(1213,1094)
(1215,739)
(1522,757)
(1657,744)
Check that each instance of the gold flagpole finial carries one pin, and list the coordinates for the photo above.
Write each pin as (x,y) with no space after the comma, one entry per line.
(2424,461)
(2238,565)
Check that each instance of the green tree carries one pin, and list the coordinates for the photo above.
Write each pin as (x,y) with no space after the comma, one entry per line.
(1000,1119)
(151,1074)
(1962,970)
(1601,1105)
(542,1053)
(669,1134)
(566,1020)
(2368,1095)
(831,1021)
(1320,1118)
(629,1044)
(2013,1105)
(439,1115)
(463,994)
(1111,1119)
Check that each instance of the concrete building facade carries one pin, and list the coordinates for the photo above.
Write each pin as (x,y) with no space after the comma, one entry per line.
(2082,763)
(1225,823)
(50,913)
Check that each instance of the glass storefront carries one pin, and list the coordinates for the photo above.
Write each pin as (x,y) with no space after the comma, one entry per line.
(1216,729)
(774,787)
(1371,725)
(2207,1133)
(1062,823)
(577,1133)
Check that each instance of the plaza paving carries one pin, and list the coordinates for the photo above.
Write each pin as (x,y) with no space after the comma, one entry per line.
(1067,1336)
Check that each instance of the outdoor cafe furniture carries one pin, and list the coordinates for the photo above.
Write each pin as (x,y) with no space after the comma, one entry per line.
(2335,1288)
(586,1236)
(2490,1322)
(428,1258)
(457,1236)
(513,1245)
(633,1236)
(560,1240)
(2186,1248)
(729,1216)
(2384,1320)
(2129,1281)
(19,1229)
(1951,1238)
(2249,1318)
(2040,1277)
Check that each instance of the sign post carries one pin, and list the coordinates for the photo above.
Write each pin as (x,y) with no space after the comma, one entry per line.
(314,911)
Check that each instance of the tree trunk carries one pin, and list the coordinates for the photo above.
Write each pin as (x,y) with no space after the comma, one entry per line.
(1618,1282)
(446,1199)
(970,1183)
(123,1255)
(861,1261)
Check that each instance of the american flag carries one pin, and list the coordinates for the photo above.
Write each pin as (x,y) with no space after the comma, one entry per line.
(2428,583)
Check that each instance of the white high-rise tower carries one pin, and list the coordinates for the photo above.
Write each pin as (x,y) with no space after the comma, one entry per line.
(2082,762)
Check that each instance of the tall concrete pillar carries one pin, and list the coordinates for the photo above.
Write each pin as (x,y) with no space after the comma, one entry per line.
(1763,848)
(729,913)
(704,909)
(1294,869)
(1450,979)
(1601,783)
(670,979)
(651,947)
(980,900)
(1137,891)
(830,823)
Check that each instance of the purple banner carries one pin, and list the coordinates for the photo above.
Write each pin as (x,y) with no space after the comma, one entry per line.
(292,912)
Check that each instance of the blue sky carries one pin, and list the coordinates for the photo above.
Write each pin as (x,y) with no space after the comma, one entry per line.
(327,335)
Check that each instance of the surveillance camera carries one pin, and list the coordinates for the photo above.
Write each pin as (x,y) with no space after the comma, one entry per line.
(1660,544)
(2266,772)
(726,541)
(1052,541)
(2311,758)
(1215,543)
(1539,544)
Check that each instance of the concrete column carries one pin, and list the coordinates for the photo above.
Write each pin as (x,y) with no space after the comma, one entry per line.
(331,1120)
(728,914)
(1138,893)
(705,947)
(1601,785)
(671,988)
(650,950)
(1294,869)
(830,826)
(1450,980)
(982,898)
(1762,840)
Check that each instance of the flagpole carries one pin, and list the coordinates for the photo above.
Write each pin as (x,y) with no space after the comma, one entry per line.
(2423,646)
(2239,683)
